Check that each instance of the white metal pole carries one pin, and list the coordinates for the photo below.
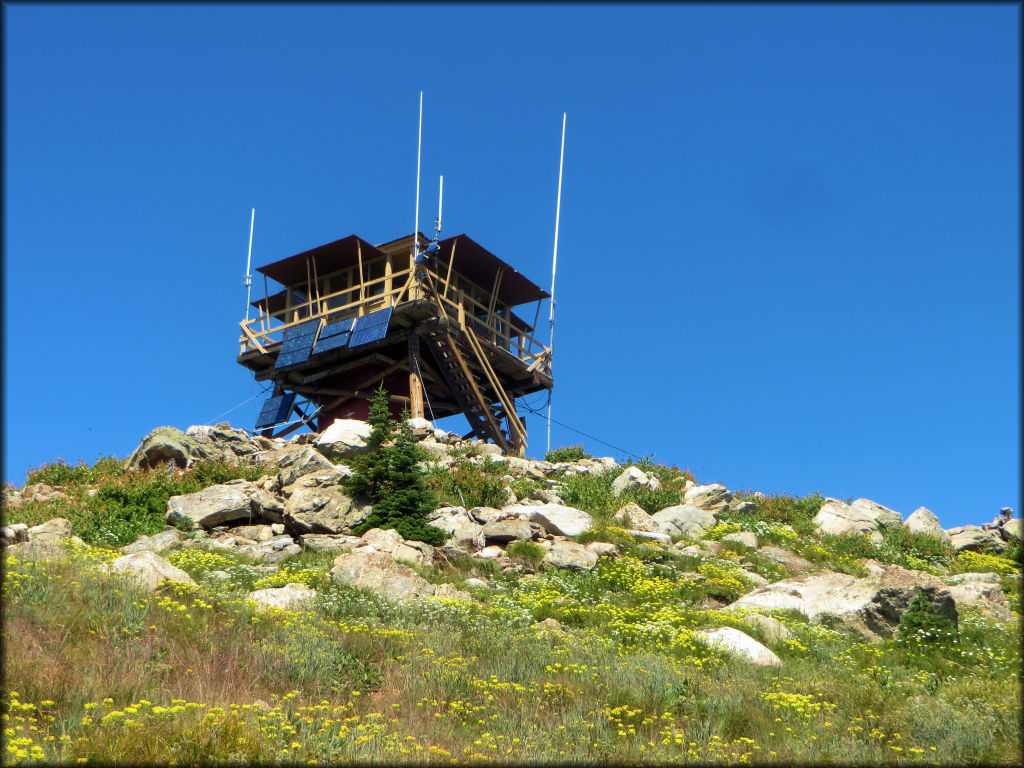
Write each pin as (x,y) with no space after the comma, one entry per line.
(248,265)
(440,197)
(554,264)
(419,147)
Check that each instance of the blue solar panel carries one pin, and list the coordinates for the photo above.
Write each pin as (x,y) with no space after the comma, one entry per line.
(332,342)
(298,345)
(334,329)
(275,410)
(370,328)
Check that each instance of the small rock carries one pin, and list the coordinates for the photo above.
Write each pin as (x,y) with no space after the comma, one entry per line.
(633,477)
(774,630)
(490,553)
(603,548)
(746,538)
(742,645)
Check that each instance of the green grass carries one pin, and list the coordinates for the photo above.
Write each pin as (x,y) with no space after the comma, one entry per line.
(128,504)
(121,676)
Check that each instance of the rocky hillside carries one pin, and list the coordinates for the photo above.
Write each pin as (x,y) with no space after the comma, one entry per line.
(821,629)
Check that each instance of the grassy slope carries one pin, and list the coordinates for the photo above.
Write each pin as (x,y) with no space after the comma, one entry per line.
(99,670)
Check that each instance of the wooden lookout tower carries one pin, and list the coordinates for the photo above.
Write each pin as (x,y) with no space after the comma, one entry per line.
(439,328)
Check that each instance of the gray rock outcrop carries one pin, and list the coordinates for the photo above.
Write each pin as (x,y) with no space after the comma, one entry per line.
(839,519)
(871,606)
(923,520)
(213,506)
(684,519)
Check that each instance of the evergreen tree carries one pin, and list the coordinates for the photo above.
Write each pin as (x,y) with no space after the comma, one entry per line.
(388,476)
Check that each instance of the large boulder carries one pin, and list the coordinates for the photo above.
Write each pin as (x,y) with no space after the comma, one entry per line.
(923,520)
(344,438)
(369,569)
(569,554)
(838,518)
(290,597)
(985,595)
(272,550)
(712,498)
(684,519)
(313,506)
(163,446)
(213,506)
(634,477)
(871,606)
(391,543)
(558,519)
(169,445)
(504,531)
(976,538)
(462,529)
(226,443)
(740,644)
(295,461)
(148,569)
(633,517)
(324,542)
(1012,529)
(155,543)
(45,541)
(883,516)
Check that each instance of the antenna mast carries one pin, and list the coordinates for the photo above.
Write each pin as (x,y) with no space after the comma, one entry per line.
(419,147)
(554,264)
(248,265)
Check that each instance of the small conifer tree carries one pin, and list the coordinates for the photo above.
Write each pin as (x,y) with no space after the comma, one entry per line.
(388,476)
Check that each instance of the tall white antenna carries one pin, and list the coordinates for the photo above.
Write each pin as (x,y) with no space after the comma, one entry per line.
(419,147)
(440,197)
(554,264)
(248,265)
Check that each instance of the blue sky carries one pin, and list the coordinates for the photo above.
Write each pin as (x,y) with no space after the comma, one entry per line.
(789,252)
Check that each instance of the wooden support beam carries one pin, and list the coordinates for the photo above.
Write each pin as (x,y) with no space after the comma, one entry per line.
(448,277)
(415,382)
(253,338)
(362,287)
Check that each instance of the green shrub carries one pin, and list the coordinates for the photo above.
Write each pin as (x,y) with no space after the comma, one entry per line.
(526,551)
(389,477)
(524,487)
(922,623)
(797,512)
(62,474)
(469,484)
(611,534)
(566,453)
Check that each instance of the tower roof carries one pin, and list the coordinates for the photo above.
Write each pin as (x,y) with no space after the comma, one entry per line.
(471,260)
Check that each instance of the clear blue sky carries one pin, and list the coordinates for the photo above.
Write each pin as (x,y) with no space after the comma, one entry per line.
(789,255)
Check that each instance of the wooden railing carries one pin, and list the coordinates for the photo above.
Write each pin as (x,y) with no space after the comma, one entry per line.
(264,332)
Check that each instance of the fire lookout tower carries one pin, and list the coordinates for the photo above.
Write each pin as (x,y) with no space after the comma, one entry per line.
(438,327)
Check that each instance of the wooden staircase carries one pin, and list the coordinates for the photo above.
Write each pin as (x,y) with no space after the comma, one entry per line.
(463,364)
